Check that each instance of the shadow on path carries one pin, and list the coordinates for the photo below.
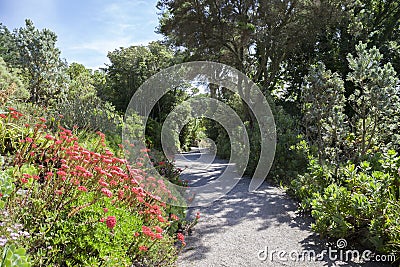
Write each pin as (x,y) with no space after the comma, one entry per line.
(234,229)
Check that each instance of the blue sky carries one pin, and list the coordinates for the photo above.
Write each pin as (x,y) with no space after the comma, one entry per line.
(87,29)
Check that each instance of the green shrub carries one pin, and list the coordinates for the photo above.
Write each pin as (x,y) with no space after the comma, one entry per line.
(14,257)
(362,205)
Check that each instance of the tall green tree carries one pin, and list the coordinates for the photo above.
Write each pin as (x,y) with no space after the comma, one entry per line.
(8,47)
(375,100)
(41,62)
(323,104)
(374,22)
(81,81)
(255,37)
(129,68)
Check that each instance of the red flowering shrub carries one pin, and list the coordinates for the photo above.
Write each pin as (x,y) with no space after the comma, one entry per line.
(62,190)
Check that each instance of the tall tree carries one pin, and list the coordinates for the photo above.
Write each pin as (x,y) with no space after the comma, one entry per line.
(8,47)
(41,62)
(129,68)
(255,37)
(375,100)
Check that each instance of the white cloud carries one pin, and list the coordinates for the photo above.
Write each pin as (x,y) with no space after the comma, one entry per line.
(123,24)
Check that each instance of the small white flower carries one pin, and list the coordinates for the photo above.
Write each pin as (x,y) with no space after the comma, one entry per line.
(3,241)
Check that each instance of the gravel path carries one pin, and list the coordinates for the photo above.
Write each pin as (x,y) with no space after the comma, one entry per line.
(249,229)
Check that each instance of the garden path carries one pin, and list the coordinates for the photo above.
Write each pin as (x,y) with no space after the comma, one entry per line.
(234,229)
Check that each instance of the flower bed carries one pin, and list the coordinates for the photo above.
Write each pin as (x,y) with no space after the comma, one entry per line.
(79,206)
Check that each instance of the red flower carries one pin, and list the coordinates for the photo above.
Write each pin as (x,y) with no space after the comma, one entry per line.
(159,236)
(3,116)
(198,215)
(158,229)
(58,192)
(24,180)
(143,248)
(160,218)
(181,238)
(82,188)
(147,231)
(111,221)
(49,137)
(43,119)
(61,173)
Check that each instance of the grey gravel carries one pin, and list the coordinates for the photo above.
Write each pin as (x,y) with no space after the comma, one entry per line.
(233,230)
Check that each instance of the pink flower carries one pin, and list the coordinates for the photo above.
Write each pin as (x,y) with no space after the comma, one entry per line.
(58,142)
(106,192)
(159,236)
(102,183)
(143,248)
(49,137)
(111,221)
(181,238)
(82,188)
(80,168)
(158,229)
(29,140)
(105,210)
(24,180)
(61,173)
(147,231)
(160,218)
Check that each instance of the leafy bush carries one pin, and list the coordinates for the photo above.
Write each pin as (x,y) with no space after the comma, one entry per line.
(14,257)
(11,86)
(362,205)
(89,113)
